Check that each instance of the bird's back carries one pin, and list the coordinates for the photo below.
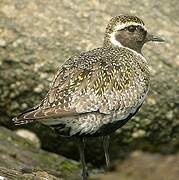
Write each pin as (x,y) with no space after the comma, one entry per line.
(94,91)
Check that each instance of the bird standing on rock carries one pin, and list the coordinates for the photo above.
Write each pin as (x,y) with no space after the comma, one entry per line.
(97,92)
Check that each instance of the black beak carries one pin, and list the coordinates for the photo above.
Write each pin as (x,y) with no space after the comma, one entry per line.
(150,37)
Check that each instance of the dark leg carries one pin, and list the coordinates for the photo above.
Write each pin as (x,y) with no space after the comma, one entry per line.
(82,157)
(106,150)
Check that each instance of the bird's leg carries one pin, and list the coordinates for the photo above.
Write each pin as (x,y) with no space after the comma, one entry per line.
(106,150)
(82,157)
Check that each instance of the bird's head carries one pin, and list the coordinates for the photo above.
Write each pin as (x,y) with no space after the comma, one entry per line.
(128,31)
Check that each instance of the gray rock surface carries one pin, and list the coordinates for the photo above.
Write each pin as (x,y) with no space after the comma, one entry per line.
(37,36)
(140,166)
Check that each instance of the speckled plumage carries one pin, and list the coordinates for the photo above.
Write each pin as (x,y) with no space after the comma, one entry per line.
(95,92)
(95,88)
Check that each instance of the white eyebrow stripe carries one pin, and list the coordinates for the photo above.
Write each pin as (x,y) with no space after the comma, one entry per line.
(122,26)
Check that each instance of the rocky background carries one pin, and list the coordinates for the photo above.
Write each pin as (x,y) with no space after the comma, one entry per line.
(35,38)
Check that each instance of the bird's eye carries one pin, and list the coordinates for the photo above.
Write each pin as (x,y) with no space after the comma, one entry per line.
(140,28)
(131,28)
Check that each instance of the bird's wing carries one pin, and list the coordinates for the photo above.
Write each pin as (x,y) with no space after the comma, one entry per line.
(88,83)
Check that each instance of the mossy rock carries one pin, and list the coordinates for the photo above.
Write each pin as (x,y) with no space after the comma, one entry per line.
(20,159)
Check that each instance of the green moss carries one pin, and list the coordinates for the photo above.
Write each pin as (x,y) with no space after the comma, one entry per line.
(66,165)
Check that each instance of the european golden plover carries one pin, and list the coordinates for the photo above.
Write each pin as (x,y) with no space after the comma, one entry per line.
(97,92)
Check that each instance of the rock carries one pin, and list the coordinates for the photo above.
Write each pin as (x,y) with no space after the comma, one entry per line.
(2,43)
(28,135)
(19,159)
(13,174)
(146,166)
(40,35)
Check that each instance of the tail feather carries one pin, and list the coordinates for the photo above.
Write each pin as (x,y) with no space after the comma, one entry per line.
(40,114)
(21,121)
(24,117)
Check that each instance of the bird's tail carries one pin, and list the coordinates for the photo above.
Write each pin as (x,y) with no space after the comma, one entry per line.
(39,114)
(25,117)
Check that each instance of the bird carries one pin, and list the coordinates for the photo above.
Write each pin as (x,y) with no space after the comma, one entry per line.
(96,92)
